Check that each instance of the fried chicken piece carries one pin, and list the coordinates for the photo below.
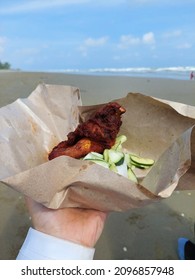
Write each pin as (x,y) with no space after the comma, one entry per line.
(94,135)
(80,149)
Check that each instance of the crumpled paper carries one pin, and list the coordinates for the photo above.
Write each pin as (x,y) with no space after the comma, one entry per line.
(31,127)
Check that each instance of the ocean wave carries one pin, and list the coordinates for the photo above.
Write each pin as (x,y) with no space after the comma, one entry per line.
(179,72)
(144,69)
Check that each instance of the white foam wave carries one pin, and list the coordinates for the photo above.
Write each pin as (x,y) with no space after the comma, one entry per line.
(144,69)
(179,72)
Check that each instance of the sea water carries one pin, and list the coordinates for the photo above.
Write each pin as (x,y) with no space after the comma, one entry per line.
(182,73)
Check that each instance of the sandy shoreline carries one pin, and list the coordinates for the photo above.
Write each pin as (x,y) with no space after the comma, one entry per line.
(96,89)
(147,233)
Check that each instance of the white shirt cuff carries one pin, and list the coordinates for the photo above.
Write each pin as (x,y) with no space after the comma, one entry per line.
(41,246)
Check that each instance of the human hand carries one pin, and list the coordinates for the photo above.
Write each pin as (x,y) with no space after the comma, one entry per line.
(81,226)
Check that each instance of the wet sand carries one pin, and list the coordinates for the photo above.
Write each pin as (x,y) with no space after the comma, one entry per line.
(146,233)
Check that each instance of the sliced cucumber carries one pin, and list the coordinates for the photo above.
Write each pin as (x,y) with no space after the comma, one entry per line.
(142,161)
(113,167)
(121,139)
(97,158)
(106,155)
(93,155)
(115,157)
(119,161)
(131,175)
(118,143)
(134,165)
(117,147)
(122,169)
(128,160)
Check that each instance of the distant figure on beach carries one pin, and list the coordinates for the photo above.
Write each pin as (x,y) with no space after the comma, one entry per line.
(192,75)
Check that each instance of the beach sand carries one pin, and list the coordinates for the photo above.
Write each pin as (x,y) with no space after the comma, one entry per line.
(148,233)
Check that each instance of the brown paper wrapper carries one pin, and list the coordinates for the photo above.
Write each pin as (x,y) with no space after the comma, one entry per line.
(31,127)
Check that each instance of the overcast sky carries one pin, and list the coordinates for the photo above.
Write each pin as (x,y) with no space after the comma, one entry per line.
(83,34)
